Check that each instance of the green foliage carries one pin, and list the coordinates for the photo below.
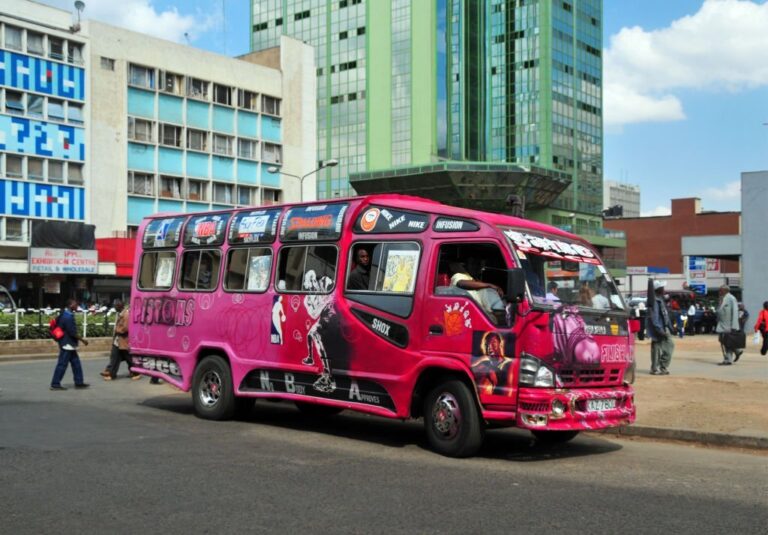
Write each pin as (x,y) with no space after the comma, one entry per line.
(35,326)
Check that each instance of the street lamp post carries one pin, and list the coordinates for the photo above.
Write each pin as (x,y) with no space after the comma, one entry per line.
(327,163)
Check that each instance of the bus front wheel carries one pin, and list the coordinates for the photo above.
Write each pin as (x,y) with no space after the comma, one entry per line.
(451,420)
(213,395)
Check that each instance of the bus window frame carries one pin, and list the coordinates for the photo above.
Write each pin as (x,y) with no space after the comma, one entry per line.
(293,245)
(157,252)
(351,261)
(233,249)
(198,250)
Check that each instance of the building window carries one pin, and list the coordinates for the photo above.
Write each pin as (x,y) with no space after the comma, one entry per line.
(140,183)
(222,193)
(170,82)
(170,135)
(108,64)
(142,77)
(75,113)
(197,88)
(170,186)
(35,105)
(222,144)
(343,35)
(14,102)
(222,94)
(15,229)
(74,53)
(139,130)
(270,197)
(55,109)
(197,190)
(246,148)
(13,166)
(55,48)
(197,140)
(245,195)
(302,15)
(55,171)
(74,173)
(246,99)
(12,37)
(35,43)
(272,153)
(35,168)
(270,105)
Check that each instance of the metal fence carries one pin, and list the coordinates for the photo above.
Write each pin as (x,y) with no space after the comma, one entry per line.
(33,324)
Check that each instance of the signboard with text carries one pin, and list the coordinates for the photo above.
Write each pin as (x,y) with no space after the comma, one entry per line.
(66,261)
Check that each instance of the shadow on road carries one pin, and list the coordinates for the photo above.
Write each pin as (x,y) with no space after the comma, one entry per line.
(509,444)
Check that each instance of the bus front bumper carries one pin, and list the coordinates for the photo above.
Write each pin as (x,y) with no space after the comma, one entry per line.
(577,409)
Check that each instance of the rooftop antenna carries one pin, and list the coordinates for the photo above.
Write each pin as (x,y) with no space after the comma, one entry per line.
(186,37)
(79,6)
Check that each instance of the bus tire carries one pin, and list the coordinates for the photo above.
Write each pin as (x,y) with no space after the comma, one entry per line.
(315,409)
(213,395)
(554,437)
(452,420)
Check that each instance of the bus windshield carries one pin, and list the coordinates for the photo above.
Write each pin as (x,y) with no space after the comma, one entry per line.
(562,272)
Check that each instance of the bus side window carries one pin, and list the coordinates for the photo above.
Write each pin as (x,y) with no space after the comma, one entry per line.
(200,270)
(156,271)
(248,269)
(307,268)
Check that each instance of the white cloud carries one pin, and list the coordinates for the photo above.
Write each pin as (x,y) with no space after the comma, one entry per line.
(142,16)
(719,48)
(659,210)
(728,192)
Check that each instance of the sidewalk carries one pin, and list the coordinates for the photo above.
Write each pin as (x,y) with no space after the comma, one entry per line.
(699,402)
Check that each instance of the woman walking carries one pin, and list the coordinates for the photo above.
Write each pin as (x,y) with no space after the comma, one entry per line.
(762,326)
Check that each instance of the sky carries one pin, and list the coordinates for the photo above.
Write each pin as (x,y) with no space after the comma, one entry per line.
(685,104)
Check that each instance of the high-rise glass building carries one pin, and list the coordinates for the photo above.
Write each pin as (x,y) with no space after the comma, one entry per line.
(465,101)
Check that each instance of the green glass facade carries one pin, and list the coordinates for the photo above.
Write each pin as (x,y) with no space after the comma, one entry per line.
(403,84)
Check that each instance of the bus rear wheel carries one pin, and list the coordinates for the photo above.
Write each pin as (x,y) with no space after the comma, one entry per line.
(213,395)
(554,437)
(452,420)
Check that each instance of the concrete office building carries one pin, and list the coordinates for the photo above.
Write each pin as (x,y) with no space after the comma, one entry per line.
(620,194)
(464,101)
(103,126)
(754,253)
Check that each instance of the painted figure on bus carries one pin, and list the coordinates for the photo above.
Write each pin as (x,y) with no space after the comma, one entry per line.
(573,345)
(319,306)
(493,370)
(278,318)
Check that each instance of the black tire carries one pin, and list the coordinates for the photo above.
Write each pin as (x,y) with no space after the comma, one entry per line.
(452,420)
(315,409)
(554,437)
(213,395)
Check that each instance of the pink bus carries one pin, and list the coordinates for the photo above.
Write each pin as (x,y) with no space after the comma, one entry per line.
(390,305)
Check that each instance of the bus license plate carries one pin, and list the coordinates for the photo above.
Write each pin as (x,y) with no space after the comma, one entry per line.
(595,405)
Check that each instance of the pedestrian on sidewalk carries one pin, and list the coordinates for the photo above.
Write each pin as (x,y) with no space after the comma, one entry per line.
(68,349)
(659,329)
(120,349)
(761,326)
(727,322)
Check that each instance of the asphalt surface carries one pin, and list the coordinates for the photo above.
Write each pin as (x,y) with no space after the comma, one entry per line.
(126,456)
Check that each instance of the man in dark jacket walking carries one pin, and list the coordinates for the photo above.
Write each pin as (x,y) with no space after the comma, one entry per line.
(68,349)
(659,329)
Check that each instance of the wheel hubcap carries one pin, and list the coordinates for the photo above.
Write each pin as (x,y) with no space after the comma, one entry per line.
(210,388)
(446,415)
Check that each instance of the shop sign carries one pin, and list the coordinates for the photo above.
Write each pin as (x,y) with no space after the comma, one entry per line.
(65,261)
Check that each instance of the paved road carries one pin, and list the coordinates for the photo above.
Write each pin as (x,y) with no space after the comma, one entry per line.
(129,457)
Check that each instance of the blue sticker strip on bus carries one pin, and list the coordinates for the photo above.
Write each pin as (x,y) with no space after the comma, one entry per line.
(314,222)
(206,230)
(380,220)
(347,389)
(257,226)
(161,233)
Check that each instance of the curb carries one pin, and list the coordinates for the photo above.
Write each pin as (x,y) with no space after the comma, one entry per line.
(687,435)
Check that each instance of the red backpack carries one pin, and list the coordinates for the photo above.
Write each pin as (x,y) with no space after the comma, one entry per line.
(57,333)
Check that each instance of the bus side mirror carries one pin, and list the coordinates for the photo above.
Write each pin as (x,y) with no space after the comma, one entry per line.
(515,285)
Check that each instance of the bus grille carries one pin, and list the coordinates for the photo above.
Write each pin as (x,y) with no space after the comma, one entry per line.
(589,377)
(534,407)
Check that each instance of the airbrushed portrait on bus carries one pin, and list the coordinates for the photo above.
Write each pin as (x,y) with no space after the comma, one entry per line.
(391,305)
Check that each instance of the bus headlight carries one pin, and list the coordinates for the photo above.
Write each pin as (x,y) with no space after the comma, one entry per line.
(534,372)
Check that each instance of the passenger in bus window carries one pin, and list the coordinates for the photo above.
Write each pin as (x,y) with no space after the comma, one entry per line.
(360,277)
(205,272)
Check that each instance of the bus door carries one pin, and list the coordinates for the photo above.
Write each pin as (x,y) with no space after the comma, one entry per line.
(466,318)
